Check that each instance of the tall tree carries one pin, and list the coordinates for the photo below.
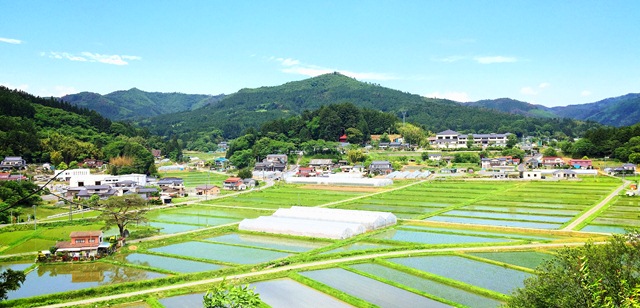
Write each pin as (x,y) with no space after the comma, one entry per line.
(10,280)
(122,210)
(593,275)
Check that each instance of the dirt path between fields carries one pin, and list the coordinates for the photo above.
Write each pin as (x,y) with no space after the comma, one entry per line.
(596,208)
(308,265)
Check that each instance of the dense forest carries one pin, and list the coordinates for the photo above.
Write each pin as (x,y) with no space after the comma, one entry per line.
(621,143)
(135,103)
(250,108)
(50,130)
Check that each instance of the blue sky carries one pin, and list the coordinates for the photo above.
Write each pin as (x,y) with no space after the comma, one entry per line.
(552,53)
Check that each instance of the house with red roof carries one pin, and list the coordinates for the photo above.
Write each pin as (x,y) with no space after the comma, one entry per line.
(83,244)
(234,183)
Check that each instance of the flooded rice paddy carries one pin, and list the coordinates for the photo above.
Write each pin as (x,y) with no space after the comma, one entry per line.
(221,252)
(170,264)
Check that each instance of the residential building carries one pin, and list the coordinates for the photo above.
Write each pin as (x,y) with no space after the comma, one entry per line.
(273,162)
(6,176)
(92,163)
(552,161)
(581,163)
(531,175)
(321,164)
(249,183)
(13,162)
(565,174)
(84,244)
(207,190)
(306,172)
(380,167)
(234,183)
(156,153)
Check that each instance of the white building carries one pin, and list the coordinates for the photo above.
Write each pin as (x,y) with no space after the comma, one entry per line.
(106,179)
(450,139)
(65,175)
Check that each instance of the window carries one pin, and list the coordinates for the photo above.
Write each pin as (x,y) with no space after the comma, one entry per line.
(92,240)
(79,241)
(80,183)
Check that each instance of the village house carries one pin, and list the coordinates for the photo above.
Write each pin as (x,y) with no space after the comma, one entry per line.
(7,176)
(67,174)
(565,174)
(249,183)
(531,175)
(207,190)
(435,157)
(321,164)
(273,162)
(156,153)
(172,186)
(223,146)
(234,183)
(380,167)
(552,161)
(13,162)
(84,244)
(581,163)
(306,172)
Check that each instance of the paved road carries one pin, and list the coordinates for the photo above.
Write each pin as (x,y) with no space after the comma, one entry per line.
(308,265)
(596,208)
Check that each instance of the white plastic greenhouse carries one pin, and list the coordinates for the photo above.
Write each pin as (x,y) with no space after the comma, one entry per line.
(339,181)
(302,227)
(370,222)
(319,222)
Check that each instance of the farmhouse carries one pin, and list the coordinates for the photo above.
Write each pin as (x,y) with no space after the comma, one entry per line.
(207,190)
(565,174)
(531,175)
(306,172)
(273,162)
(552,161)
(581,163)
(84,244)
(380,167)
(234,184)
(6,176)
(13,162)
(321,164)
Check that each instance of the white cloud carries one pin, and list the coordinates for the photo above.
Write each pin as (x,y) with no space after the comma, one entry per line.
(585,93)
(10,41)
(293,66)
(544,85)
(454,96)
(495,59)
(92,57)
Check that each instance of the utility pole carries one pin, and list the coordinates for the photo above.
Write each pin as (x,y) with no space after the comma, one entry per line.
(34,218)
(404,114)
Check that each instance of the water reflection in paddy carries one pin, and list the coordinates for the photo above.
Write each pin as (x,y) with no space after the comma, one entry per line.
(495,222)
(428,286)
(529,259)
(373,291)
(488,276)
(172,228)
(52,278)
(220,252)
(435,238)
(287,293)
(279,243)
(171,264)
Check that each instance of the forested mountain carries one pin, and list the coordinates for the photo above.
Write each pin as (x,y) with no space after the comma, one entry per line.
(50,130)
(617,111)
(252,107)
(135,103)
(513,106)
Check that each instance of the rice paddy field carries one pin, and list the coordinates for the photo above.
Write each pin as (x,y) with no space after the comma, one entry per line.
(622,214)
(434,215)
(533,204)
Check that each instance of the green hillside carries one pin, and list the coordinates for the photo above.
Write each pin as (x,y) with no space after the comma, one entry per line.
(617,111)
(252,107)
(135,103)
(514,107)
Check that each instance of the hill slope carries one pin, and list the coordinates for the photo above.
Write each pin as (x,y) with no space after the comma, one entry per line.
(135,103)
(514,107)
(617,111)
(252,107)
